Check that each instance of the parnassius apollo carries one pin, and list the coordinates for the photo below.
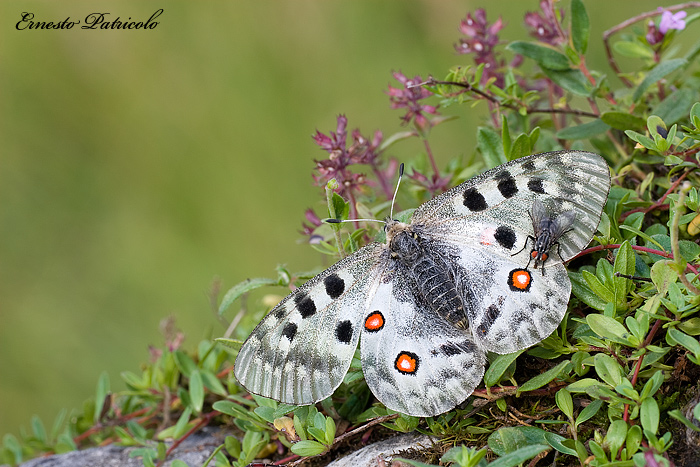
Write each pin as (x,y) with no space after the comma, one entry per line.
(440,292)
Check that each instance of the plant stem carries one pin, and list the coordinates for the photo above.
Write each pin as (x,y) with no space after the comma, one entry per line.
(330,186)
(675,247)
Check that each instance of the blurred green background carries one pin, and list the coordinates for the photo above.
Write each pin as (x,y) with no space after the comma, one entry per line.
(137,166)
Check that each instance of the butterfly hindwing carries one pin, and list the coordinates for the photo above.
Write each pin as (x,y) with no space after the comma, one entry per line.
(413,361)
(300,352)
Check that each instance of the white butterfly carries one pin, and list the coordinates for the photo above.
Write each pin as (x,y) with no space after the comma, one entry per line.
(444,289)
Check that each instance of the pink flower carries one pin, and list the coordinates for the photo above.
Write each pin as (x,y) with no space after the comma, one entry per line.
(408,97)
(672,21)
(544,26)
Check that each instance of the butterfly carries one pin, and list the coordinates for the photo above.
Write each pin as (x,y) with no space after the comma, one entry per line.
(441,291)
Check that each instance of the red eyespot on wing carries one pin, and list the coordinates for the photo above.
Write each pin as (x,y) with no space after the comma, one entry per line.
(374,321)
(544,257)
(519,280)
(407,363)
(533,254)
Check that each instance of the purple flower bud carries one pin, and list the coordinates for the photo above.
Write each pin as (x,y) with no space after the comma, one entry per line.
(544,25)
(654,36)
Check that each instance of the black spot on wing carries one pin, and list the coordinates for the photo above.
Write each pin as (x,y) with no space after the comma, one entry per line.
(473,200)
(535,185)
(335,286)
(279,312)
(343,332)
(289,331)
(305,305)
(506,184)
(529,166)
(505,236)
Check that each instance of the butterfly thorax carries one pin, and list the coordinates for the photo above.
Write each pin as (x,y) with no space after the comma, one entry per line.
(428,270)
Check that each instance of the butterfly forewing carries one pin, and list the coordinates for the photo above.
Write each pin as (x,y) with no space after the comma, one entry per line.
(300,352)
(564,181)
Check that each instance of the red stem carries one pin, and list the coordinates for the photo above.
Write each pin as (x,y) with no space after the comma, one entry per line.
(634,247)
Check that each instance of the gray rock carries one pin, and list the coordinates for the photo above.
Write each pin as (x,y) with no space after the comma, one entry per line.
(193,451)
(385,450)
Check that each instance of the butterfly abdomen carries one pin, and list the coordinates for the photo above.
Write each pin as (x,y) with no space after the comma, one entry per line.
(429,275)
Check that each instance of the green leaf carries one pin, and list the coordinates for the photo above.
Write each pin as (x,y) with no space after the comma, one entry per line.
(675,106)
(580,26)
(653,384)
(608,369)
(196,391)
(633,49)
(658,72)
(540,380)
(623,120)
(181,425)
(510,439)
(607,328)
(570,80)
(624,264)
(330,430)
(498,367)
(38,429)
(690,343)
(641,139)
(242,288)
(489,144)
(308,448)
(565,403)
(519,456)
(663,274)
(340,207)
(649,415)
(588,412)
(634,439)
(691,326)
(102,391)
(617,433)
(584,131)
(184,362)
(678,415)
(584,293)
(582,385)
(505,136)
(521,147)
(556,441)
(464,456)
(598,288)
(544,56)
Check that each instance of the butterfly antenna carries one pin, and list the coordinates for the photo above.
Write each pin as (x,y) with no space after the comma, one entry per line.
(340,221)
(398,183)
